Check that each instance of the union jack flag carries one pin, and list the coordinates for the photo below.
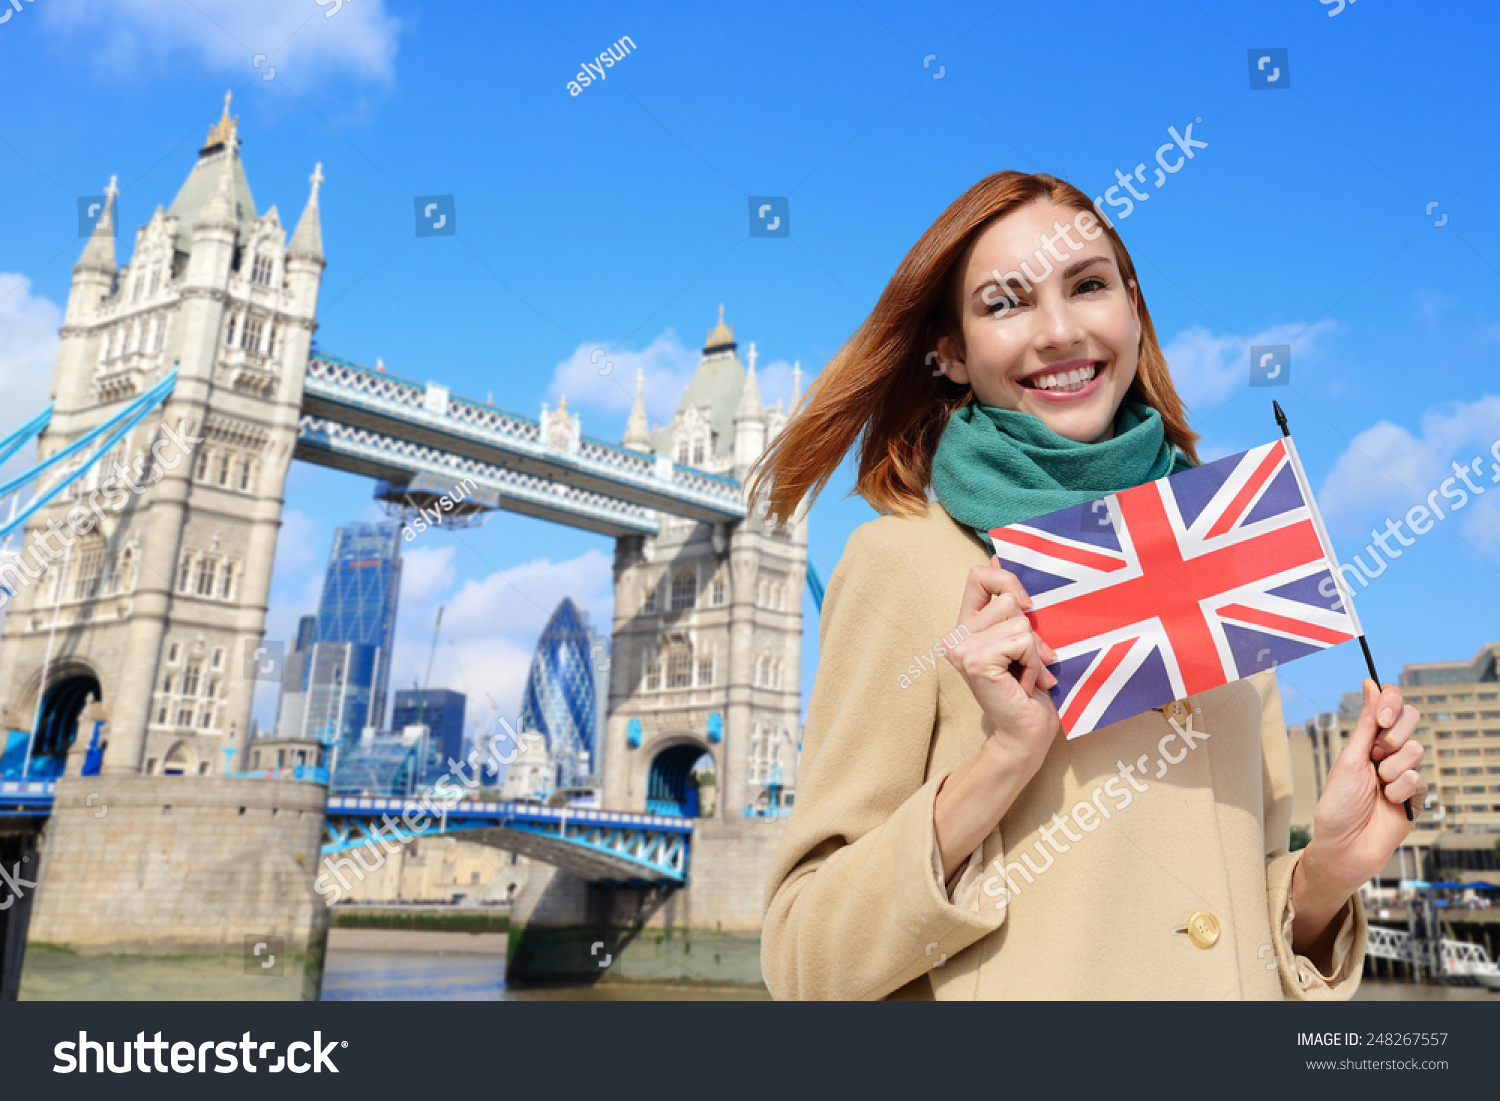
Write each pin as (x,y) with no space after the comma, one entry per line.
(1171,588)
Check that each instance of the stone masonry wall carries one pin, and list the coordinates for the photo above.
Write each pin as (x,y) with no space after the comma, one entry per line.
(160,865)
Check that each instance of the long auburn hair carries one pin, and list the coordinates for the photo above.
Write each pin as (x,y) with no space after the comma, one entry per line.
(879,389)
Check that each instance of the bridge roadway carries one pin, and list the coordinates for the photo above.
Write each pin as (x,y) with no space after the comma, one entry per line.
(377,425)
(600,846)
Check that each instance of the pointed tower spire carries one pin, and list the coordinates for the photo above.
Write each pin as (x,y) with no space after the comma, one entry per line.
(99,253)
(220,208)
(637,430)
(308,240)
(720,337)
(750,407)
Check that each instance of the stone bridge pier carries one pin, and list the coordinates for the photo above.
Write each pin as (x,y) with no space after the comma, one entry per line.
(567,930)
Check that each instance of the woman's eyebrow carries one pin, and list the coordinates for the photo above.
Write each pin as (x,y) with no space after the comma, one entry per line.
(1025,284)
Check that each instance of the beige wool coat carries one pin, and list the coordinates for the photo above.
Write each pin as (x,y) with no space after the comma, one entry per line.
(1166,881)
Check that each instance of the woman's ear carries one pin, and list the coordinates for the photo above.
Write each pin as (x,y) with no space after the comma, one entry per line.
(950,361)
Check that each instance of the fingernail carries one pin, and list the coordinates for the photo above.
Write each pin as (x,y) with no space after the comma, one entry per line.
(1377,753)
(1386,716)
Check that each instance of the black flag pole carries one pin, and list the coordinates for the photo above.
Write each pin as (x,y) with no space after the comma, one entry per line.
(1363,645)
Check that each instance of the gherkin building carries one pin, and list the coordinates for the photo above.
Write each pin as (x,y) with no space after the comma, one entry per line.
(560,700)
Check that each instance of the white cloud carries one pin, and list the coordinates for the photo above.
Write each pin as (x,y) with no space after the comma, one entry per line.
(303,38)
(28,351)
(490,623)
(1388,468)
(1207,369)
(665,363)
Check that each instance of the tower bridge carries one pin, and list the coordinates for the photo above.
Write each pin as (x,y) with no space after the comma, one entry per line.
(139,630)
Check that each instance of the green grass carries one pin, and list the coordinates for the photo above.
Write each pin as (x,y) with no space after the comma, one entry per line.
(457,922)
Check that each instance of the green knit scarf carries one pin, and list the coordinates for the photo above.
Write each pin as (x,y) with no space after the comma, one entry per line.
(1000,466)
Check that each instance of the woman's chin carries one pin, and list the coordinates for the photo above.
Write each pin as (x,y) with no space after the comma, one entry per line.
(1077,425)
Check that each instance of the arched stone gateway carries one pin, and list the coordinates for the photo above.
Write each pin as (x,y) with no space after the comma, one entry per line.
(57,723)
(670,789)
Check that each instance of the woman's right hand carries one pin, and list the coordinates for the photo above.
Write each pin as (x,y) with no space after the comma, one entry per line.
(1003,661)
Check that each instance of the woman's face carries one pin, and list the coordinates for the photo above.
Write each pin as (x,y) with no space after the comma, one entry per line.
(1058,338)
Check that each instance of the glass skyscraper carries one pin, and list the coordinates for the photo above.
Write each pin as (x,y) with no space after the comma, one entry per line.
(357,616)
(441,710)
(561,693)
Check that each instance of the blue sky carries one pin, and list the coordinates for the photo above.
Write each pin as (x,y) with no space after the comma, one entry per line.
(617,218)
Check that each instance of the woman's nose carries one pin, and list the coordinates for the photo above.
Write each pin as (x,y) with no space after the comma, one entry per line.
(1058,325)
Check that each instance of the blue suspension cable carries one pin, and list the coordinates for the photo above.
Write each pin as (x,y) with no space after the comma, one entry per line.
(122,423)
(140,405)
(14,442)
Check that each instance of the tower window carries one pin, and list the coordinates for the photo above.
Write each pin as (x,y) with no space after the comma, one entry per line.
(718,591)
(680,667)
(200,465)
(228,580)
(245,474)
(184,575)
(648,603)
(229,331)
(260,271)
(684,590)
(705,672)
(653,676)
(206,572)
(223,470)
(190,678)
(698,452)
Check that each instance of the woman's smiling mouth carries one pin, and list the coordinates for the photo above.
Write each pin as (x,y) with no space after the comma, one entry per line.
(1066,381)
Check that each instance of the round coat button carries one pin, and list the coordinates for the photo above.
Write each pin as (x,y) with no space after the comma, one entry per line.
(1178,710)
(1203,929)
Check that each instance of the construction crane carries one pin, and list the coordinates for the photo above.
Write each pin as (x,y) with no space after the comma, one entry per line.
(427,678)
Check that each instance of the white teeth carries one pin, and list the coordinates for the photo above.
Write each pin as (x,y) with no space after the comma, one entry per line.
(1067,381)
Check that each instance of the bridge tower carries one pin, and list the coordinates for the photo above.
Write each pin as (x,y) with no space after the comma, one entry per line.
(143,588)
(708,617)
(144,584)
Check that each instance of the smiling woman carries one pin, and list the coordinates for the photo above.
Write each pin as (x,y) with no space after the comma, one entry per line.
(904,870)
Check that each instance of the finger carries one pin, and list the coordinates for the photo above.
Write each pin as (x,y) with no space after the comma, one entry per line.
(1407,757)
(1362,737)
(1049,654)
(1388,741)
(1000,608)
(1036,671)
(1404,787)
(1388,707)
(1000,648)
(985,582)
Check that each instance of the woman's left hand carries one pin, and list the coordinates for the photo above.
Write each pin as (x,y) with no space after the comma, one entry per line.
(1361,817)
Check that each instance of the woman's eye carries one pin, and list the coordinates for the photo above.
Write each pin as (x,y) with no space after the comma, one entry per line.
(1003,304)
(1094,283)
